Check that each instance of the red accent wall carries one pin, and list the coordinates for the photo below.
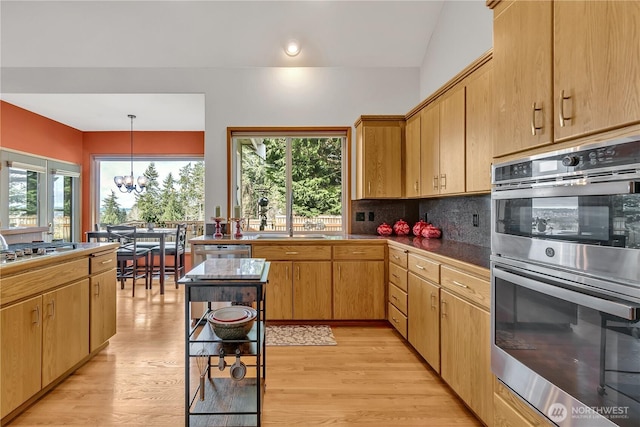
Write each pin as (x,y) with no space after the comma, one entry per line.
(144,143)
(31,133)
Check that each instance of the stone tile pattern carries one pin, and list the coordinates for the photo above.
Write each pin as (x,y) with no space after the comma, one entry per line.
(454,215)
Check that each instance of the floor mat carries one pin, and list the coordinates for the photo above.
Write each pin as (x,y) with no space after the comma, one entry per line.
(300,335)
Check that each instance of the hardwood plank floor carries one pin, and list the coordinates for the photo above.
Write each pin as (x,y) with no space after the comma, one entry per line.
(371,378)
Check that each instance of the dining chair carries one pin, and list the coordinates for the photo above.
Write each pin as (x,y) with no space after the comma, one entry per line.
(173,250)
(129,256)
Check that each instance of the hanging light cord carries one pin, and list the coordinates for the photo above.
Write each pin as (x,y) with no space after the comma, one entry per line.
(131,116)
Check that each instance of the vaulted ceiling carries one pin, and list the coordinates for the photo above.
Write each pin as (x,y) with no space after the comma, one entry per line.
(202,34)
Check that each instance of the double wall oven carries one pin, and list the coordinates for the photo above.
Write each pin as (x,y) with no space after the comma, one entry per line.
(565,270)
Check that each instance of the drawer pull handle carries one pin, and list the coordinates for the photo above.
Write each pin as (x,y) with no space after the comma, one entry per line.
(433,301)
(52,312)
(97,286)
(291,253)
(394,319)
(396,257)
(394,297)
(420,267)
(107,261)
(358,252)
(462,285)
(395,275)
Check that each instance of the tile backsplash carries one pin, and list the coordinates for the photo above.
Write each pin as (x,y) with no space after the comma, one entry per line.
(454,215)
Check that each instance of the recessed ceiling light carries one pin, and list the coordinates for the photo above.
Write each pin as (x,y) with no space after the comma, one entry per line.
(292,48)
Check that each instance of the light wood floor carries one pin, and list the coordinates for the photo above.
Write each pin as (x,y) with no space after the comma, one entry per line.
(371,378)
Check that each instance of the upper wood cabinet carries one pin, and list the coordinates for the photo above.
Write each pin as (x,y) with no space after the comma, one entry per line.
(430,149)
(522,44)
(379,141)
(480,129)
(442,131)
(452,141)
(412,157)
(596,66)
(564,70)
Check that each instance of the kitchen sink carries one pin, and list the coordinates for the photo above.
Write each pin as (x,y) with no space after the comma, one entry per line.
(286,236)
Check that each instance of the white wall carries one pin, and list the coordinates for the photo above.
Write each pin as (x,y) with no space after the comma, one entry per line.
(463,33)
(241,97)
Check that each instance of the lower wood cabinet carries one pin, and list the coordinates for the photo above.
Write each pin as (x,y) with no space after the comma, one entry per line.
(102,306)
(299,290)
(65,329)
(311,290)
(21,339)
(465,339)
(280,291)
(424,319)
(358,290)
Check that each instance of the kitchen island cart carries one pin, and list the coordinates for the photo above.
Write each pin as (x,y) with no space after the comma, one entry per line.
(217,391)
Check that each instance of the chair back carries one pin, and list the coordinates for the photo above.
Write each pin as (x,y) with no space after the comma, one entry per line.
(181,238)
(123,234)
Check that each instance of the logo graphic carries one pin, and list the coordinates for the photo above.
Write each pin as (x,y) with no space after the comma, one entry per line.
(557,412)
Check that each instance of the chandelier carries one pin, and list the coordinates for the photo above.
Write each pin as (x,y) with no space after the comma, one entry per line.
(125,183)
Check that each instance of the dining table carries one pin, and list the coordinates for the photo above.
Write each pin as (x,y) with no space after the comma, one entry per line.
(159,234)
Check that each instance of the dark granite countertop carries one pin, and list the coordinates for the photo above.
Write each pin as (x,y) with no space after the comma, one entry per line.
(464,252)
(470,254)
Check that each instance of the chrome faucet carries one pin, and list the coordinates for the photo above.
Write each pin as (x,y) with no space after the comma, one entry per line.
(290,215)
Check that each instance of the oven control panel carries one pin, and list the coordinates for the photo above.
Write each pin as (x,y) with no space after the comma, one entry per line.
(591,158)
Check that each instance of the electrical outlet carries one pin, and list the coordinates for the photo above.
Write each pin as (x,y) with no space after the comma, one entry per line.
(359,216)
(476,220)
(370,216)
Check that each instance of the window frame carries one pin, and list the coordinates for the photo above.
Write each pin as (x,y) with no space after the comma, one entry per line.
(47,167)
(95,173)
(293,132)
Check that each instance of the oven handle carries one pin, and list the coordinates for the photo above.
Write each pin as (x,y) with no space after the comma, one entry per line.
(570,188)
(613,308)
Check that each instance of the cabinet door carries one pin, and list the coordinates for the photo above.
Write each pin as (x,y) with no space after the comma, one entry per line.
(382,161)
(102,308)
(20,353)
(423,315)
(358,290)
(412,157)
(280,291)
(452,141)
(65,329)
(312,290)
(522,56)
(430,149)
(480,129)
(465,346)
(597,65)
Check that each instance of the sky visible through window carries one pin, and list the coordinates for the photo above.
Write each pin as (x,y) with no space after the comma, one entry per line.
(111,168)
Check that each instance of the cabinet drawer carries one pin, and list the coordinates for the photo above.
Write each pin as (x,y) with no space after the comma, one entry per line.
(102,262)
(398,298)
(41,280)
(398,320)
(470,287)
(398,256)
(358,252)
(291,252)
(424,268)
(398,276)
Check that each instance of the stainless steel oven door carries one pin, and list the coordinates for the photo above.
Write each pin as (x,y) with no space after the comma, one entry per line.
(571,352)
